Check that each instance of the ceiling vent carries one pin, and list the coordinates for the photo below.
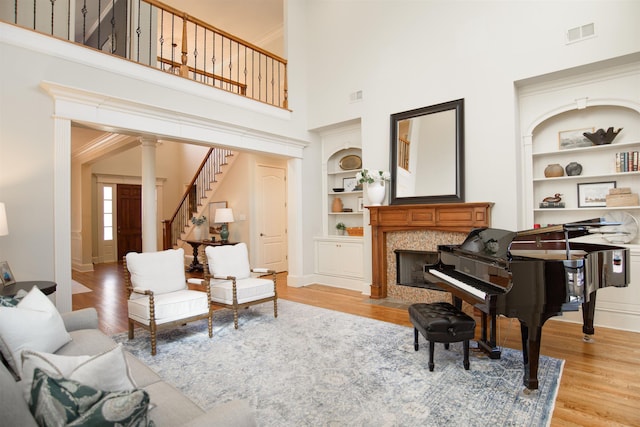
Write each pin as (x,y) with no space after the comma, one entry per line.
(581,33)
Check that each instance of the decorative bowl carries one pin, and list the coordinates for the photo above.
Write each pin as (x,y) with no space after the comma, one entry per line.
(602,137)
(338,190)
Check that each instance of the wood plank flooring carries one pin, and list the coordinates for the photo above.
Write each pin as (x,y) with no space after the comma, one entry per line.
(600,383)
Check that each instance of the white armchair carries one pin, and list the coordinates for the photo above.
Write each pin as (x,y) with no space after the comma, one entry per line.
(158,295)
(227,271)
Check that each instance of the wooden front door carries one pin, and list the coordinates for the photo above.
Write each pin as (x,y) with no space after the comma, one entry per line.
(129,219)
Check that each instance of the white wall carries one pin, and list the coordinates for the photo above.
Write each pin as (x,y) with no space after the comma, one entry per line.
(409,54)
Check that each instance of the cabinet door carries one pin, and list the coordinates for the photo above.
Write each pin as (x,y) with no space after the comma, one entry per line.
(340,259)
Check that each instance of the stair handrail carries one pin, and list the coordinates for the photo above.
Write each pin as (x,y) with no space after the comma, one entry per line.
(201,182)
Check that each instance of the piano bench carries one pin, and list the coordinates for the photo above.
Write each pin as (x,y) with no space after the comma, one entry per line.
(441,322)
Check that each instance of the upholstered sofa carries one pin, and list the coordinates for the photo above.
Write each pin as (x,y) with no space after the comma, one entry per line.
(169,407)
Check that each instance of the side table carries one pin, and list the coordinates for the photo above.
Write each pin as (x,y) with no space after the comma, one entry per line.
(46,287)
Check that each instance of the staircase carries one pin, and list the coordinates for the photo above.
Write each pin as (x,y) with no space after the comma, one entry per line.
(206,179)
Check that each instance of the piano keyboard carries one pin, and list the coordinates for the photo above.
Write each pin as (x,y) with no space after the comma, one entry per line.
(476,292)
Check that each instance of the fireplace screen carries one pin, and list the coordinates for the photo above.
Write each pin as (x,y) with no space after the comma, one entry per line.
(410,267)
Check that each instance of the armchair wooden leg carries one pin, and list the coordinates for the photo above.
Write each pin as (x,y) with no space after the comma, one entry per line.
(153,338)
(130,329)
(235,317)
(210,322)
(275,308)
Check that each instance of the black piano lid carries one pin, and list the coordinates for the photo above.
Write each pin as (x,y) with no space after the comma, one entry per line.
(491,242)
(495,243)
(563,231)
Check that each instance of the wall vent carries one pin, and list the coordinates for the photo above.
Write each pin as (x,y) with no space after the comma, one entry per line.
(581,33)
(355,96)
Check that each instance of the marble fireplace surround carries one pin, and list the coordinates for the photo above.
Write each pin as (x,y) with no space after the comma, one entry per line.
(417,227)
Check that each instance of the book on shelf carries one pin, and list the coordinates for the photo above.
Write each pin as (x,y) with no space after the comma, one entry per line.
(548,205)
(627,161)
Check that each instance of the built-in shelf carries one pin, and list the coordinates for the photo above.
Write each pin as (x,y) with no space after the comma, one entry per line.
(594,148)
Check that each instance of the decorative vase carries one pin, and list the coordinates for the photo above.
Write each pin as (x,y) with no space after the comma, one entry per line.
(573,169)
(198,232)
(336,206)
(553,171)
(375,192)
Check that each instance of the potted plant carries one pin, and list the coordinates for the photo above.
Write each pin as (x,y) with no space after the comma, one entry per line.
(341,228)
(375,184)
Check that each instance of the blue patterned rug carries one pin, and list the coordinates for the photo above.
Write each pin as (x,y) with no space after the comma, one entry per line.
(317,367)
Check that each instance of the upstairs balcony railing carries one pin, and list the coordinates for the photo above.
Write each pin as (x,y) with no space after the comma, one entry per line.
(155,34)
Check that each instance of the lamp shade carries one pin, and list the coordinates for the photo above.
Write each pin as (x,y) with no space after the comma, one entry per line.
(4,227)
(223,215)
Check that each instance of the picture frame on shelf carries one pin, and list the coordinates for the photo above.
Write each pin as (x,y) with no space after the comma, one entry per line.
(594,194)
(360,204)
(574,138)
(349,184)
(6,276)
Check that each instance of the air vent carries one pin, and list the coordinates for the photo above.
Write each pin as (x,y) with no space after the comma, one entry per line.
(581,33)
(355,96)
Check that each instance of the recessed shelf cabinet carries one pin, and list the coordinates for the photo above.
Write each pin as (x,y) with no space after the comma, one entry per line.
(598,163)
(339,257)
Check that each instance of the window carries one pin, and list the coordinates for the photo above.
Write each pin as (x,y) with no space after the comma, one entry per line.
(107,212)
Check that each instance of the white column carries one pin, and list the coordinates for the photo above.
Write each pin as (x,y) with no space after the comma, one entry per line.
(149,214)
(62,213)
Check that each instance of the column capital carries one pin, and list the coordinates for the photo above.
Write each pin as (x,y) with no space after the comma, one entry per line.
(148,141)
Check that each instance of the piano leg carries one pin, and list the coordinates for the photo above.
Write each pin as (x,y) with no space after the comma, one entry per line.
(530,354)
(588,314)
(489,345)
(486,344)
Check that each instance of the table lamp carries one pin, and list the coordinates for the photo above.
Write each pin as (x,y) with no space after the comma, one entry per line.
(224,216)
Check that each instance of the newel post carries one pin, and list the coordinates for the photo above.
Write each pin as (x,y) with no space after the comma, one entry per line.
(184,68)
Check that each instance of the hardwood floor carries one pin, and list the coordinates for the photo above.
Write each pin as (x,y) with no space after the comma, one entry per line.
(600,382)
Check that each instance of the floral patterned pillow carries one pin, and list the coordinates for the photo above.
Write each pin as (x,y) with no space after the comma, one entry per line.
(8,301)
(59,401)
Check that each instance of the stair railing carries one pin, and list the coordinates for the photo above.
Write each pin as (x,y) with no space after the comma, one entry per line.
(190,204)
(160,36)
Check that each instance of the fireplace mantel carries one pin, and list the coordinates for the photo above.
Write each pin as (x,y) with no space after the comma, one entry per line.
(460,217)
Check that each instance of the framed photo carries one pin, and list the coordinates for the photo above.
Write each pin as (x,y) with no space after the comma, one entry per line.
(212,215)
(594,194)
(574,138)
(5,274)
(349,184)
(360,204)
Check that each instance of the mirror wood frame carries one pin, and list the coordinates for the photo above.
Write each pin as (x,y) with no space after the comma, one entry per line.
(458,196)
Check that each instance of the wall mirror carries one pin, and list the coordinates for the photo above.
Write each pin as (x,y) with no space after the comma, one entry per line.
(427,154)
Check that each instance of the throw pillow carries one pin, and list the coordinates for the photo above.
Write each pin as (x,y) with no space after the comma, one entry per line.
(107,371)
(64,402)
(33,324)
(8,302)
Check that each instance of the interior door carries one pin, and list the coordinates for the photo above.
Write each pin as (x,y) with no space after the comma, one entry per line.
(271,218)
(129,214)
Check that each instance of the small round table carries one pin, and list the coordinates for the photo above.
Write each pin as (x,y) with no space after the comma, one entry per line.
(46,287)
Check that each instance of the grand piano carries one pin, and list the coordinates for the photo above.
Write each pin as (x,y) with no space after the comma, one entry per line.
(531,275)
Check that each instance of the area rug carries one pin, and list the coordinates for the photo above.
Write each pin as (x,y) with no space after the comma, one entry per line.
(317,367)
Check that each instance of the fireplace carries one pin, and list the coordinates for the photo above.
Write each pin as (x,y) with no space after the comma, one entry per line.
(416,228)
(410,268)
